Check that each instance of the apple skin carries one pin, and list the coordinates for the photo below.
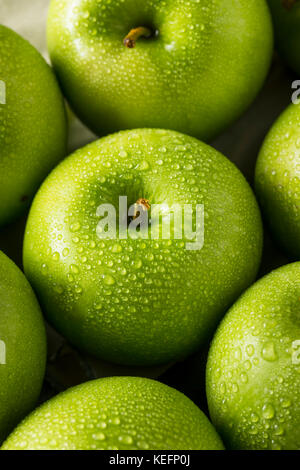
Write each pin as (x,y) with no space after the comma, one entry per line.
(253,384)
(287,31)
(197,76)
(141,302)
(33,124)
(277,181)
(22,330)
(117,413)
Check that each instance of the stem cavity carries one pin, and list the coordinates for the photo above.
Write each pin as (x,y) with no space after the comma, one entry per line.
(141,204)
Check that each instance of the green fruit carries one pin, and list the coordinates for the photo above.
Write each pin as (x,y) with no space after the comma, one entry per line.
(22,346)
(32,123)
(253,370)
(286,18)
(277,180)
(141,301)
(118,413)
(199,70)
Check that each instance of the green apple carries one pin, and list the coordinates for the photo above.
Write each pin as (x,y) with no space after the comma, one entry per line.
(277,180)
(153,297)
(190,65)
(33,126)
(286,18)
(253,369)
(22,346)
(117,413)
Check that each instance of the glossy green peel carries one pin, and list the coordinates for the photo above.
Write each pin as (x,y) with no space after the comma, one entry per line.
(141,301)
(22,347)
(33,127)
(196,70)
(277,180)
(119,413)
(253,370)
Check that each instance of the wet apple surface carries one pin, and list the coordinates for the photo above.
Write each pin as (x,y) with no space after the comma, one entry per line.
(141,301)
(33,127)
(22,347)
(253,369)
(191,66)
(194,66)
(277,180)
(118,413)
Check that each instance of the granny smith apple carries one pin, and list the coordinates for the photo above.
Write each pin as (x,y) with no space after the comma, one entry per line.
(142,297)
(117,413)
(192,66)
(33,125)
(286,18)
(277,180)
(253,370)
(22,346)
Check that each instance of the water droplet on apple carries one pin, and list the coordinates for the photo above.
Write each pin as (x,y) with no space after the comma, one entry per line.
(268,411)
(75,227)
(269,352)
(116,248)
(56,256)
(108,280)
(116,421)
(144,165)
(74,269)
(126,439)
(99,436)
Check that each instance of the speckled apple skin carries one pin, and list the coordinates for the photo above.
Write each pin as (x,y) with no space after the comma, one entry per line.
(22,330)
(142,301)
(33,126)
(197,76)
(253,369)
(118,413)
(277,180)
(287,31)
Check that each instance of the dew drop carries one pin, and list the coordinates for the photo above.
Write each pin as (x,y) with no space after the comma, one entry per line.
(116,249)
(74,269)
(144,165)
(126,439)
(75,227)
(99,436)
(268,352)
(268,411)
(108,280)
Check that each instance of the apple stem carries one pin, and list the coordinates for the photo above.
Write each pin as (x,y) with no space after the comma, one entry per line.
(288,4)
(143,204)
(135,34)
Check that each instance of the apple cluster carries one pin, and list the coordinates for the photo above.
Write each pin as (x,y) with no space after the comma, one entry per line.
(176,275)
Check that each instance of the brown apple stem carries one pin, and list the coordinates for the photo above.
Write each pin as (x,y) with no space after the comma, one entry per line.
(143,204)
(135,34)
(288,4)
